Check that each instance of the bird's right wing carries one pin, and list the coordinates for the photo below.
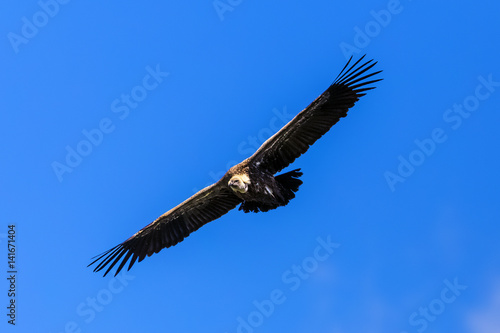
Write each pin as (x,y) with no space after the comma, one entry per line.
(171,228)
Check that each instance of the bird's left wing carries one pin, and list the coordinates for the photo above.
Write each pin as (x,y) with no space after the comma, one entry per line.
(171,228)
(315,120)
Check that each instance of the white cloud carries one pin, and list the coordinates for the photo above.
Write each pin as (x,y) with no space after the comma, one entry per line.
(487,318)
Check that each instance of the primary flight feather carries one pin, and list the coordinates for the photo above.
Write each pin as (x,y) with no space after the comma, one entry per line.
(252,184)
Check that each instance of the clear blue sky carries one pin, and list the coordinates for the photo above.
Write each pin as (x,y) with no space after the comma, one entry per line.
(403,191)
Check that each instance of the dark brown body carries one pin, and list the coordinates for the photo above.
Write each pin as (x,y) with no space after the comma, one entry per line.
(264,191)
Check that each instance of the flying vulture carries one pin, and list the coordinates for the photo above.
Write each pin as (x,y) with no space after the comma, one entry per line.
(252,184)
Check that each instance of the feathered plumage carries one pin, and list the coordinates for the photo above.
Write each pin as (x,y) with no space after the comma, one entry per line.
(251,183)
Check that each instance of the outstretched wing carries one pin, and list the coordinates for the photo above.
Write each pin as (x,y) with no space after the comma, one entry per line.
(315,120)
(171,228)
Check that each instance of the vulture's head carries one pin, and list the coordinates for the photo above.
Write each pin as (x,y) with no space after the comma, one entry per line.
(239,183)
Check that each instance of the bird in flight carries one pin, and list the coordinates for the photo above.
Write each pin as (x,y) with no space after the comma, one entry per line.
(252,184)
